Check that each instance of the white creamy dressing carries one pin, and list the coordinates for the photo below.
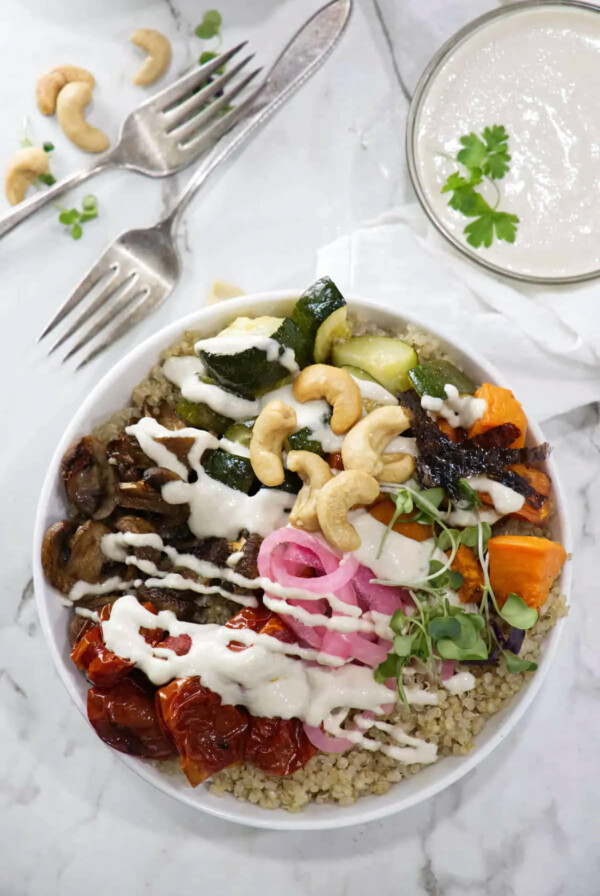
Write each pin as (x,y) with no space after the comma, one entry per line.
(460,517)
(403,445)
(234,341)
(460,683)
(215,509)
(374,391)
(402,560)
(184,372)
(459,410)
(536,71)
(267,678)
(505,499)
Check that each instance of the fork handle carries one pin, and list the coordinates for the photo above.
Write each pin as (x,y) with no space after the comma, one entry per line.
(27,208)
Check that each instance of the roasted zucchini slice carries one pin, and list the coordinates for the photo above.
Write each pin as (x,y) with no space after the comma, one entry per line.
(431,377)
(388,360)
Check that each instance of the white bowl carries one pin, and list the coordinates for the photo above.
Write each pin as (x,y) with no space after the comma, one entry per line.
(113,392)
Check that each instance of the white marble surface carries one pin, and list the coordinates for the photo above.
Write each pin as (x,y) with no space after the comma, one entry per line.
(72,818)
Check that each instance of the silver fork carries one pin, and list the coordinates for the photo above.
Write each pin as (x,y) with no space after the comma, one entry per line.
(167,132)
(140,269)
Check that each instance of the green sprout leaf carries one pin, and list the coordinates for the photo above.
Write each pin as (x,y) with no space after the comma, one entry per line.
(516,612)
(470,536)
(387,669)
(210,26)
(73,219)
(48,147)
(468,494)
(47,179)
(403,645)
(397,622)
(69,217)
(76,231)
(207,56)
(517,664)
(444,627)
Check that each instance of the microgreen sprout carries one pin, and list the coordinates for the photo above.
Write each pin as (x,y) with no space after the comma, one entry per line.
(73,219)
(47,179)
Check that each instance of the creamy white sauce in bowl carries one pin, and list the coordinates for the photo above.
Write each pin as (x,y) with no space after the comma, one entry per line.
(533,68)
(113,392)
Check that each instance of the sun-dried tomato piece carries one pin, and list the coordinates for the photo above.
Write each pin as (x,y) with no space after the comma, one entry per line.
(124,716)
(249,617)
(102,667)
(208,735)
(179,644)
(277,628)
(278,746)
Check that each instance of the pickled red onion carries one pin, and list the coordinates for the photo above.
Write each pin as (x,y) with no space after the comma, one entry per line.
(326,742)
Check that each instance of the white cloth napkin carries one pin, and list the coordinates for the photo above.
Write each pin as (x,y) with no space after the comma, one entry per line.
(546,341)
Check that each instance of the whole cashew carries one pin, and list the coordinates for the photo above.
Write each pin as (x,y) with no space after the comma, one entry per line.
(314,472)
(71,102)
(49,85)
(158,48)
(337,387)
(335,500)
(364,446)
(22,169)
(275,423)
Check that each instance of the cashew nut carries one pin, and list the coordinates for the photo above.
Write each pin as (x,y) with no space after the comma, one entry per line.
(275,423)
(21,170)
(337,387)
(49,85)
(364,446)
(220,290)
(314,472)
(72,100)
(335,500)
(158,48)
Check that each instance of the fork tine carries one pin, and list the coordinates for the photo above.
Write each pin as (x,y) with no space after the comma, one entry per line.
(85,285)
(177,114)
(140,310)
(188,128)
(193,79)
(209,135)
(108,290)
(130,290)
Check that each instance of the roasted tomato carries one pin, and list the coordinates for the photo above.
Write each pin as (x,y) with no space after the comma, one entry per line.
(208,736)
(124,716)
(277,628)
(278,746)
(253,618)
(179,644)
(102,667)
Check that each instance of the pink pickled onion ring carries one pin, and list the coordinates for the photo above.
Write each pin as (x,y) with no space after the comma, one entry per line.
(385,599)
(326,742)
(447,669)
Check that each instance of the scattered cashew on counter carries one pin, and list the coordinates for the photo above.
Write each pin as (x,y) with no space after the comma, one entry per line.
(70,105)
(314,472)
(337,387)
(275,423)
(365,444)
(22,169)
(51,83)
(158,48)
(335,499)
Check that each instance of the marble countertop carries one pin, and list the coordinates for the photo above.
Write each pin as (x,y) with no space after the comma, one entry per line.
(72,818)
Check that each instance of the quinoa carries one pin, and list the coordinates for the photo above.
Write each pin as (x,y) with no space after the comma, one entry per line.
(452,724)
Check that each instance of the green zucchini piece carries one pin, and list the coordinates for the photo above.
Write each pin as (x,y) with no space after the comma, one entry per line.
(333,329)
(202,417)
(230,469)
(360,374)
(240,432)
(315,305)
(291,483)
(430,378)
(253,368)
(303,441)
(386,359)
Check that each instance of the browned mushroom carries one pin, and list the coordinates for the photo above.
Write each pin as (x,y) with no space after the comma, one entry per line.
(144,495)
(185,604)
(125,454)
(180,446)
(56,550)
(139,526)
(88,478)
(71,553)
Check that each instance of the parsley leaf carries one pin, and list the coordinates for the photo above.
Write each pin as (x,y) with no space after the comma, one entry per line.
(483,156)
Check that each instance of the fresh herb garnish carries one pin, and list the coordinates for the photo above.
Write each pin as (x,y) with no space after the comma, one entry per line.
(468,494)
(47,179)
(210,26)
(484,157)
(517,663)
(73,219)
